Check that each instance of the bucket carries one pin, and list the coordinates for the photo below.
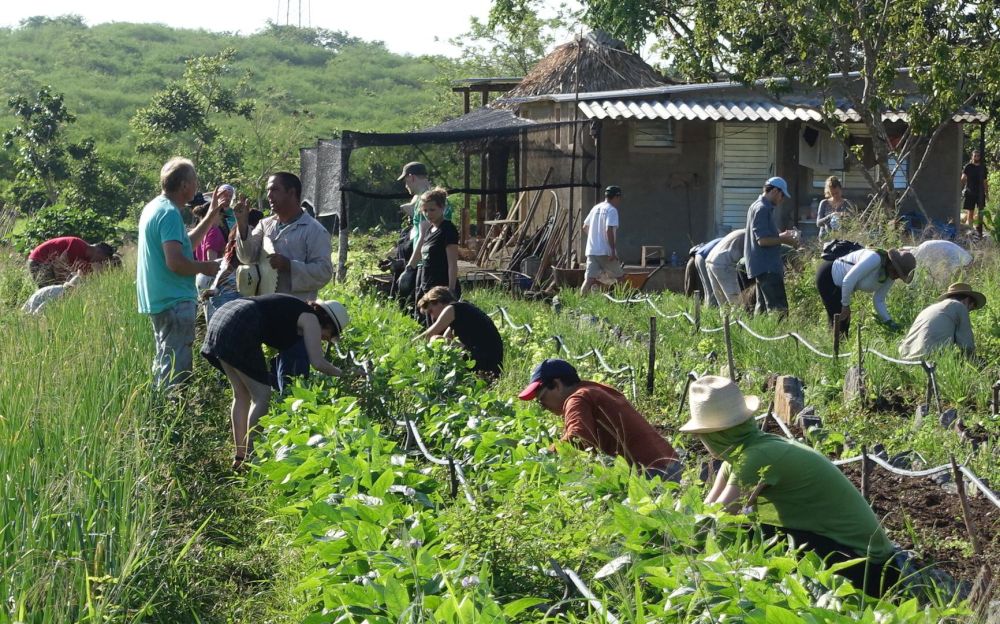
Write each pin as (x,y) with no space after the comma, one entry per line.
(530,265)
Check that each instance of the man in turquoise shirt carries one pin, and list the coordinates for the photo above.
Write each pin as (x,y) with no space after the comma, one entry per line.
(166,270)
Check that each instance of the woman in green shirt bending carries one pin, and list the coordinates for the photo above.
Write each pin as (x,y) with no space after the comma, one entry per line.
(800,493)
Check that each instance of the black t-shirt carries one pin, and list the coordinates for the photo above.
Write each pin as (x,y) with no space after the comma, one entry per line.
(476,331)
(433,250)
(975,175)
(279,319)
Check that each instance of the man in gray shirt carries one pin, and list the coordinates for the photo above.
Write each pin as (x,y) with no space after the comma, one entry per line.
(762,247)
(301,256)
(944,323)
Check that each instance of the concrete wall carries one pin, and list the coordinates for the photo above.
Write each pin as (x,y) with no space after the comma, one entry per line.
(667,197)
(938,185)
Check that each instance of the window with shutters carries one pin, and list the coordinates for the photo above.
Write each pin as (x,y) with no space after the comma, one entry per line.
(659,135)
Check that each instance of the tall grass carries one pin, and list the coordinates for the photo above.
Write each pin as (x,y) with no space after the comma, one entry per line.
(77,446)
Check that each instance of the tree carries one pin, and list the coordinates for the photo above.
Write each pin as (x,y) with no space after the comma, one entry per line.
(511,42)
(848,51)
(41,159)
(182,118)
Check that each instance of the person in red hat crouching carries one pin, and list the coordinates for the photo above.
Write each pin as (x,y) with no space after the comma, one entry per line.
(599,417)
(800,494)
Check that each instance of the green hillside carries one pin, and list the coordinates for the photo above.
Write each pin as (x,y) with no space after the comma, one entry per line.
(108,71)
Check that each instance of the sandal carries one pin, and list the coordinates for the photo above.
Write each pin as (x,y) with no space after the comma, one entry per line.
(239,464)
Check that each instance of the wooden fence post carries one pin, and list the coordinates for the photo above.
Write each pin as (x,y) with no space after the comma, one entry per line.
(865,473)
(970,525)
(697,311)
(729,346)
(651,369)
(836,337)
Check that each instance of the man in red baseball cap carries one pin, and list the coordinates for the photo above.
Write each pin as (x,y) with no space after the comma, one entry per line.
(599,417)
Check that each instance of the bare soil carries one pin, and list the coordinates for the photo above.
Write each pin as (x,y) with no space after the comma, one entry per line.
(935,515)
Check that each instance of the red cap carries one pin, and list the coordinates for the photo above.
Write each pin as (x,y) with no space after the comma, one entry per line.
(530,391)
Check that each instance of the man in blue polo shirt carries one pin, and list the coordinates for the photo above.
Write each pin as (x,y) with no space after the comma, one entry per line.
(762,247)
(166,269)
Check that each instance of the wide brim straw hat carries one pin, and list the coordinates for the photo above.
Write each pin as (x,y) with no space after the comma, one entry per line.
(904,262)
(717,404)
(961,289)
(337,312)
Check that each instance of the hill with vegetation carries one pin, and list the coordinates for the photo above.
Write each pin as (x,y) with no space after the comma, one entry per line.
(90,112)
(108,71)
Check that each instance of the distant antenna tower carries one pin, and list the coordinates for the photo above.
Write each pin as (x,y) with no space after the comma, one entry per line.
(288,13)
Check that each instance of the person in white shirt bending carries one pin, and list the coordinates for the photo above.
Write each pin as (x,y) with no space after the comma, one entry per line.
(600,228)
(869,270)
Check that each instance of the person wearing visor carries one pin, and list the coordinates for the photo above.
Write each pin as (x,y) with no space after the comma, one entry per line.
(798,492)
(762,247)
(599,417)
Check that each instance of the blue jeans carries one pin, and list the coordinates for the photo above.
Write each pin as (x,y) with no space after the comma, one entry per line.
(771,293)
(214,303)
(292,362)
(173,332)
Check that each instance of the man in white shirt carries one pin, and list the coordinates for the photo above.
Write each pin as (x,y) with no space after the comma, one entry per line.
(600,228)
(944,323)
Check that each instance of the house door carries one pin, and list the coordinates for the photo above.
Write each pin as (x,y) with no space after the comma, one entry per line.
(745,159)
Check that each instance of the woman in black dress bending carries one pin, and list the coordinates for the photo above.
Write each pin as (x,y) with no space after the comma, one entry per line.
(466,323)
(234,344)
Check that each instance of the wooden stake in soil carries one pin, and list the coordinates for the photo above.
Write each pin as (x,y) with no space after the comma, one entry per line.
(861,370)
(866,468)
(836,337)
(697,311)
(970,525)
(729,346)
(651,368)
(995,407)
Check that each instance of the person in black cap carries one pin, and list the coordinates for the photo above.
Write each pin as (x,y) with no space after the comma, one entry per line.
(414,177)
(599,417)
(600,229)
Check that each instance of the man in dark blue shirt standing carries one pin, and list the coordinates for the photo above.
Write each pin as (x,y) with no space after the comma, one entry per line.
(762,247)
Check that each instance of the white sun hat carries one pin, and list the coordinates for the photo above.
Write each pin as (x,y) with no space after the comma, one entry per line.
(717,404)
(336,311)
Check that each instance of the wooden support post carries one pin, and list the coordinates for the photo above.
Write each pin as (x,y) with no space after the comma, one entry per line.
(453,475)
(697,311)
(651,368)
(970,525)
(861,370)
(866,468)
(836,337)
(729,346)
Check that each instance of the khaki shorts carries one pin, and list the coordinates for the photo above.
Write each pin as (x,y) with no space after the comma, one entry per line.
(603,266)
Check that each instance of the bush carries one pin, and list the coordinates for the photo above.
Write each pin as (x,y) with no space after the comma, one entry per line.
(60,220)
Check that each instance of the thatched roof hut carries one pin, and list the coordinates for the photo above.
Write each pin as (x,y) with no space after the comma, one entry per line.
(599,62)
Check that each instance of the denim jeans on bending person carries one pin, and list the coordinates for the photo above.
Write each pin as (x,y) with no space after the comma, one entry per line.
(173,332)
(292,362)
(771,293)
(214,303)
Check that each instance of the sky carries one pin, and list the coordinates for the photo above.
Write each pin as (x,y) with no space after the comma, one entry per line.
(406,27)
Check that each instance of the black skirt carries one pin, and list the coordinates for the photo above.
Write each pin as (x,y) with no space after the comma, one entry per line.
(233,337)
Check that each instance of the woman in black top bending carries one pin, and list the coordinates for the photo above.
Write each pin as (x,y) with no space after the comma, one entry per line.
(470,325)
(439,249)
(234,344)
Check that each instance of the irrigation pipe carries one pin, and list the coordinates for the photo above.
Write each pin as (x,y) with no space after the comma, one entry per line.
(793,335)
(561,346)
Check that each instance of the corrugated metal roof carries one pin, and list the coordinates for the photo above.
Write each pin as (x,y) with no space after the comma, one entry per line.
(713,109)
